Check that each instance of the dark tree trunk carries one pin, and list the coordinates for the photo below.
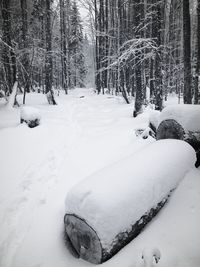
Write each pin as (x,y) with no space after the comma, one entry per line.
(138,69)
(25,58)
(187,53)
(196,84)
(49,60)
(158,62)
(63,45)
(97,60)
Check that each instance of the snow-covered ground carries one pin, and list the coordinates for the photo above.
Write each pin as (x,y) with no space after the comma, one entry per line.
(81,135)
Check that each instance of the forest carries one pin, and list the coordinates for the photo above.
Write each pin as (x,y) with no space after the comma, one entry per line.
(99,133)
(136,48)
(42,46)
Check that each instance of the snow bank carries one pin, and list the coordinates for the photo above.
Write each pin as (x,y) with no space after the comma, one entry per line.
(154,118)
(188,116)
(30,115)
(113,199)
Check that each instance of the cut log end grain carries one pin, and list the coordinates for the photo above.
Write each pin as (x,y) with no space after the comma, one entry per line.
(180,122)
(171,129)
(83,241)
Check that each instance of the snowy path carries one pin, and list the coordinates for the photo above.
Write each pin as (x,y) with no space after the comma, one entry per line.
(38,166)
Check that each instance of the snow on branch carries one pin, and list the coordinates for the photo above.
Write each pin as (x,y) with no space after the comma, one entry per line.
(131,50)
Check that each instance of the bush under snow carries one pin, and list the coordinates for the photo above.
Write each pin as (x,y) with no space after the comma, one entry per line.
(30,115)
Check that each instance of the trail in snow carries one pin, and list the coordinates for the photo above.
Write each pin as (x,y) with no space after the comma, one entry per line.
(39,166)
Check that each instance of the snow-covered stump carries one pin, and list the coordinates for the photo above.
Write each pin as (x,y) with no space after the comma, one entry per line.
(181,122)
(108,209)
(31,116)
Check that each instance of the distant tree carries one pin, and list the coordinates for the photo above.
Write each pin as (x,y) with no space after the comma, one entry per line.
(138,57)
(25,56)
(187,97)
(63,34)
(157,30)
(76,41)
(196,85)
(49,60)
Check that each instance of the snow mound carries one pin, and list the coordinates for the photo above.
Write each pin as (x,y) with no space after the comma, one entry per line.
(30,114)
(154,118)
(113,199)
(188,116)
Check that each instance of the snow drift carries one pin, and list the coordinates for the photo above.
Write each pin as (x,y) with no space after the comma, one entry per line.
(108,209)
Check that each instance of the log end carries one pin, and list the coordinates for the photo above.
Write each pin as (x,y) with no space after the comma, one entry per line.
(81,240)
(170,129)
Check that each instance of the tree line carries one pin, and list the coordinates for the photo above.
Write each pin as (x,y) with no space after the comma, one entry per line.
(143,48)
(41,46)
(152,44)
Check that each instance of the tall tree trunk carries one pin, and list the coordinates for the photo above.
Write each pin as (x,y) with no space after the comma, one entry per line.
(138,69)
(49,61)
(63,45)
(25,57)
(187,53)
(196,85)
(158,60)
(97,60)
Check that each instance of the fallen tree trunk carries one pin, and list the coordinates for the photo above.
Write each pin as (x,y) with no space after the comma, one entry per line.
(181,122)
(108,209)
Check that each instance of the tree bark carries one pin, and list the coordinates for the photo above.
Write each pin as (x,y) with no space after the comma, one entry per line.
(196,84)
(187,53)
(25,57)
(49,60)
(63,45)
(138,69)
(97,57)
(158,61)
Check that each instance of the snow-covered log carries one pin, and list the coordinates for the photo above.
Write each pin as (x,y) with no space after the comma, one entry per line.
(30,115)
(108,209)
(181,122)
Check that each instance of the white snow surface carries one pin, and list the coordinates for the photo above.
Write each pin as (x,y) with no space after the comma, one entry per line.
(125,191)
(186,115)
(30,113)
(154,117)
(39,166)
